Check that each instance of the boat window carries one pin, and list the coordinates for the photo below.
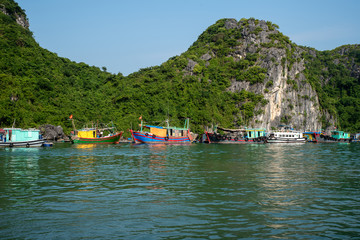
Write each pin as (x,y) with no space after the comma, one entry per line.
(94,134)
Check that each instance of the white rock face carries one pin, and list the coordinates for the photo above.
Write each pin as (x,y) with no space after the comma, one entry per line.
(291,100)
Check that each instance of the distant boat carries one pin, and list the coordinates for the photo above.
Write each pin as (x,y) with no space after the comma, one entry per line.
(321,137)
(355,138)
(285,135)
(340,136)
(236,136)
(17,137)
(160,134)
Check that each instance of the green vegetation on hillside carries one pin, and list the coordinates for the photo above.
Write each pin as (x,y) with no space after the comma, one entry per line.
(38,87)
(338,91)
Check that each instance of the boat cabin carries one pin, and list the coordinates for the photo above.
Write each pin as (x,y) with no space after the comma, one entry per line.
(167,131)
(255,132)
(311,136)
(87,133)
(286,135)
(19,135)
(340,135)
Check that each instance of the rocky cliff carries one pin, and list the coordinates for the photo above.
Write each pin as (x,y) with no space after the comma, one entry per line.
(291,98)
(13,10)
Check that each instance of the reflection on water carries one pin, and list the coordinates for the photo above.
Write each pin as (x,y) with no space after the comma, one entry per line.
(85,146)
(205,191)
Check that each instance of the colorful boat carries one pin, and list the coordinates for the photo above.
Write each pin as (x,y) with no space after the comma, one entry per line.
(159,134)
(321,137)
(237,136)
(17,137)
(96,135)
(286,134)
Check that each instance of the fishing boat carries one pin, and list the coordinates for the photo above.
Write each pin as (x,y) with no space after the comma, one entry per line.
(286,134)
(163,134)
(17,137)
(236,136)
(320,137)
(96,135)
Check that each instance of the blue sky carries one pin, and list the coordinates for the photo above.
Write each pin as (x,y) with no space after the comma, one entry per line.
(125,36)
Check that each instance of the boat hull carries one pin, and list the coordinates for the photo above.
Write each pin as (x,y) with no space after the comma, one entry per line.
(212,138)
(32,143)
(319,138)
(140,137)
(286,140)
(241,141)
(102,140)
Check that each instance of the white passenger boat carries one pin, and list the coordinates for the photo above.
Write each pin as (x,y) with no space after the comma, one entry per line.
(286,135)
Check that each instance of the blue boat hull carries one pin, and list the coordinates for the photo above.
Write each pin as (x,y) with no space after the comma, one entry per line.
(148,138)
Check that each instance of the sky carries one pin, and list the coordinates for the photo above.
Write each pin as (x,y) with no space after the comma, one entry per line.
(126,36)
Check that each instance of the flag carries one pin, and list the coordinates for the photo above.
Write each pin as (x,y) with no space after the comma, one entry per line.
(70,116)
(140,117)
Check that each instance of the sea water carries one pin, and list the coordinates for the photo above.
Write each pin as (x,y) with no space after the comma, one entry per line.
(194,191)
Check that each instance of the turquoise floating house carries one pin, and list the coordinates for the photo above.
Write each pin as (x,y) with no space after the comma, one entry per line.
(255,132)
(17,137)
(340,135)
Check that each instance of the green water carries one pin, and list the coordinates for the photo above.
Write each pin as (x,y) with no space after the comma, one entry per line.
(198,191)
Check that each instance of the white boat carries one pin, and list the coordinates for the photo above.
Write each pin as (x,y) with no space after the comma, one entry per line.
(286,135)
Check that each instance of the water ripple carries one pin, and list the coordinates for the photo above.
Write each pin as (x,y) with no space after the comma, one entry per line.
(200,191)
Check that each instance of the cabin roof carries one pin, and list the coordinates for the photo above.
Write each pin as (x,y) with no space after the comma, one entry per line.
(160,127)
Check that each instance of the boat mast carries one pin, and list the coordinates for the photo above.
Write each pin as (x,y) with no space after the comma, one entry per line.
(73,124)
(186,125)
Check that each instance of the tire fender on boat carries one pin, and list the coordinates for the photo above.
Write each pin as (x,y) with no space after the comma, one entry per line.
(27,145)
(166,138)
(246,139)
(154,136)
